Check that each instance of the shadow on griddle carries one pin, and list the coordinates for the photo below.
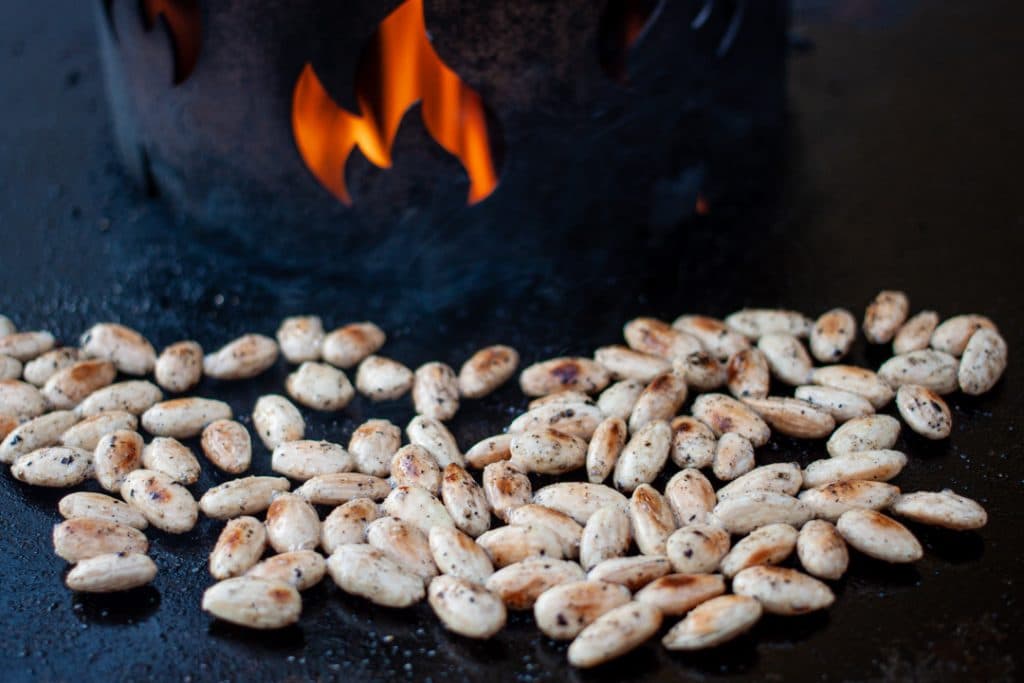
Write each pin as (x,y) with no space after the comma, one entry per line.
(284,639)
(116,609)
(952,547)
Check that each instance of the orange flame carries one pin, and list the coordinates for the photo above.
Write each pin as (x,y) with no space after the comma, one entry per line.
(409,71)
(184,21)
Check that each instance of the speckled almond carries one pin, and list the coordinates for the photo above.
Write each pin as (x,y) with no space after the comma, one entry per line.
(486,370)
(167,505)
(253,603)
(111,573)
(128,350)
(276,421)
(180,366)
(884,316)
(347,346)
(248,356)
(614,633)
(245,496)
(135,397)
(465,501)
(227,445)
(305,459)
(435,391)
(466,608)
(183,418)
(301,338)
(81,538)
(558,374)
(239,546)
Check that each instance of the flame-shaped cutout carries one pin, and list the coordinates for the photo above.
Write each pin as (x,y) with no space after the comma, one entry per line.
(184,23)
(399,68)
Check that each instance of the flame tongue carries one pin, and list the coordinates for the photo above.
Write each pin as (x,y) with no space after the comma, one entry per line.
(405,69)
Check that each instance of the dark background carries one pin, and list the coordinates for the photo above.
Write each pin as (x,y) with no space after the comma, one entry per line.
(900,169)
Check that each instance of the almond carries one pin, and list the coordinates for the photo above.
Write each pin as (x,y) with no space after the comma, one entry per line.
(832,500)
(53,467)
(983,362)
(874,465)
(492,449)
(690,495)
(320,386)
(734,457)
(180,366)
(953,335)
(435,391)
(697,548)
(135,397)
(465,501)
(929,368)
(614,633)
(347,523)
(466,608)
(714,622)
(457,554)
(632,572)
(604,448)
(403,544)
(25,346)
(81,538)
(942,508)
(702,371)
(884,316)
(383,379)
(574,418)
(277,421)
(111,573)
(486,370)
(579,500)
(547,451)
(248,356)
(748,375)
(841,405)
(506,488)
(302,569)
(618,399)
(625,363)
(754,323)
(433,436)
(245,496)
(924,411)
(364,571)
(301,338)
(878,536)
(240,545)
(373,444)
(128,350)
(292,524)
(916,333)
(418,507)
(693,442)
(606,535)
(822,551)
(770,544)
(253,603)
(167,505)
(860,381)
(870,433)
(676,594)
(714,335)
(227,445)
(787,358)
(115,456)
(100,506)
(42,368)
(414,466)
(833,334)
(745,512)
(520,584)
(562,611)
(171,457)
(183,418)
(793,417)
(659,401)
(557,374)
(39,432)
(644,456)
(783,591)
(781,477)
(68,387)
(347,346)
(724,414)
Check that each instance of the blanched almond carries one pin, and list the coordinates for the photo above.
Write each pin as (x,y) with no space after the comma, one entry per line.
(924,411)
(240,545)
(435,391)
(466,608)
(486,370)
(725,414)
(632,572)
(658,338)
(347,346)
(690,495)
(457,554)
(833,334)
(492,449)
(884,316)
(253,603)
(412,465)
(520,584)
(227,445)
(300,338)
(822,551)
(129,351)
(320,386)
(303,569)
(929,368)
(660,400)
(167,505)
(111,573)
(793,417)
(276,421)
(757,322)
(25,346)
(403,544)
(953,335)
(697,548)
(81,538)
(693,442)
(734,457)
(562,611)
(783,591)
(579,500)
(787,358)
(701,370)
(644,456)
(780,477)
(20,399)
(878,536)
(347,523)
(68,387)
(565,529)
(614,633)
(53,466)
(941,508)
(465,501)
(135,397)
(180,366)
(916,333)
(618,399)
(557,374)
(245,496)
(306,459)
(10,368)
(715,622)
(561,398)
(506,488)
(745,512)
(841,405)
(7,424)
(183,418)
(651,519)
(832,500)
(747,374)
(432,435)
(625,363)
(547,451)
(37,433)
(87,433)
(604,448)
(714,335)
(373,444)
(115,456)
(248,356)
(676,594)
(983,362)
(769,544)
(42,368)
(510,544)
(574,418)
(418,507)
(383,379)
(100,506)
(860,381)
(606,535)
(292,524)
(875,465)
(171,457)
(870,433)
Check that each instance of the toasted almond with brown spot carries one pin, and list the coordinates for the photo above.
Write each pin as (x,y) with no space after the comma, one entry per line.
(833,334)
(135,397)
(227,445)
(754,323)
(644,456)
(248,356)
(245,496)
(745,512)
(924,411)
(171,457)
(714,335)
(841,405)
(373,444)
(575,418)
(364,571)
(734,457)
(604,448)
(714,622)
(561,398)
(562,611)
(292,524)
(860,381)
(240,545)
(10,368)
(466,608)
(660,400)
(787,358)
(306,459)
(875,465)
(658,338)
(916,333)
(783,591)
(435,391)
(832,500)
(929,368)
(606,535)
(68,387)
(884,316)
(320,386)
(347,346)
(8,423)
(404,544)
(870,433)
(564,527)
(651,519)
(465,501)
(457,554)
(510,544)
(506,488)
(793,417)
(822,551)
(253,603)
(618,399)
(520,584)
(341,487)
(115,456)
(953,335)
(111,573)
(632,572)
(383,379)
(53,467)
(303,569)
(693,442)
(347,523)
(79,539)
(301,338)
(183,418)
(37,433)
(747,374)
(128,350)
(88,432)
(486,370)
(725,414)
(780,477)
(167,505)
(769,544)
(492,449)
(676,594)
(547,451)
(878,536)
(25,346)
(625,363)
(690,495)
(432,435)
(983,362)
(614,633)
(697,548)
(276,421)
(180,366)
(701,370)
(418,507)
(579,500)
(412,465)
(558,374)
(42,368)
(940,508)
(100,506)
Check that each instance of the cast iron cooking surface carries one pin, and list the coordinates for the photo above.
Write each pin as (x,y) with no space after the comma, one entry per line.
(901,170)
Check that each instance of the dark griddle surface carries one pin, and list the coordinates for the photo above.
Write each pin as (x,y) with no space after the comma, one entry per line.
(902,170)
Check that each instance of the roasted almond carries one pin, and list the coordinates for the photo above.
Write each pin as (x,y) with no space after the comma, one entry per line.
(180,366)
(940,508)
(10,368)
(604,448)
(347,346)
(924,411)
(822,551)
(747,374)
(88,432)
(793,417)
(135,397)
(690,495)
(240,545)
(167,505)
(129,351)
(660,400)
(115,456)
(929,368)
(625,363)
(983,362)
(734,457)
(302,569)
(870,433)
(100,506)
(347,523)
(547,451)
(574,418)
(745,512)
(465,501)
(832,500)
(780,477)
(787,358)
(292,524)
(558,374)
(579,500)
(714,335)
(457,554)
(614,633)
(383,379)
(632,572)
(183,418)
(510,544)
(725,414)
(506,488)
(306,459)
(618,399)
(248,356)
(565,529)
(466,608)
(373,444)
(276,421)
(81,538)
(53,466)
(435,391)
(227,445)
(245,496)
(953,335)
(301,338)
(841,405)
(486,370)
(520,584)
(320,386)
(42,368)
(701,370)
(253,603)
(644,456)
(37,433)
(676,594)
(171,457)
(884,316)
(364,571)
(874,465)
(412,465)
(7,424)
(697,548)
(606,535)
(25,346)
(658,338)
(860,381)
(492,449)
(433,436)
(404,544)
(562,611)
(651,519)
(770,544)
(754,323)
(693,442)
(832,335)
(111,573)
(878,536)
(20,399)
(714,622)
(68,387)
(561,398)
(783,591)
(916,333)
(418,507)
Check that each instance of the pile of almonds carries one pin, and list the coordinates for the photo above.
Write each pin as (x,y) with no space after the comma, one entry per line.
(601,564)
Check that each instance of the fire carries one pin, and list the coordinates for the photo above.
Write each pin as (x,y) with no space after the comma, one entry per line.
(408,70)
(184,23)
